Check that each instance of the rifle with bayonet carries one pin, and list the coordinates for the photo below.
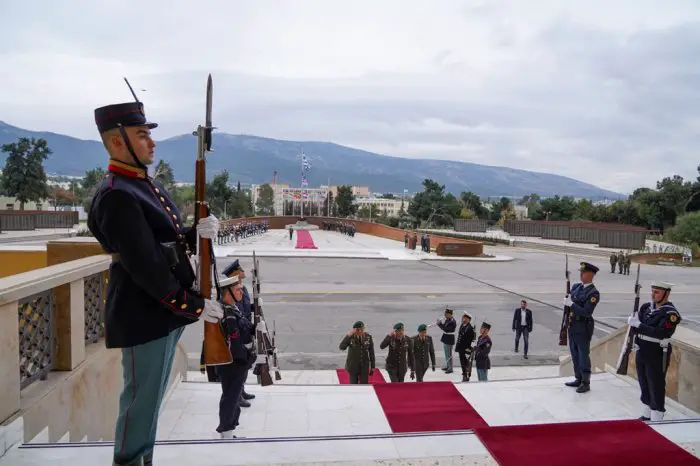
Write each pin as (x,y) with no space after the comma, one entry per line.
(216,351)
(472,354)
(624,359)
(566,318)
(263,345)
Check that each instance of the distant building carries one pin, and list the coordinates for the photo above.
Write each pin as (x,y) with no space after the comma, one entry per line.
(379,204)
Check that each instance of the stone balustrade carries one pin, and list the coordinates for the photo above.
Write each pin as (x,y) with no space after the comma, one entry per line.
(42,331)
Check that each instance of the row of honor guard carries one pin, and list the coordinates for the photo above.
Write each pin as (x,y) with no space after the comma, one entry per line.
(654,324)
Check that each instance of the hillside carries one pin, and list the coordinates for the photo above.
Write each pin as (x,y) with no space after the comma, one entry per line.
(252,159)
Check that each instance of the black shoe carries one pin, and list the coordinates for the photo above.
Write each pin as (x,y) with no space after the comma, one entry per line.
(525,356)
(148,459)
(573,383)
(583,388)
(515,350)
(644,418)
(449,371)
(248,396)
(244,403)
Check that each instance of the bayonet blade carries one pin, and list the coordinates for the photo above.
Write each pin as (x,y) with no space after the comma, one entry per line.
(207,118)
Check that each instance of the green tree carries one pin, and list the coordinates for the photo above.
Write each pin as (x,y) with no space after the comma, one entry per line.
(88,185)
(265,204)
(220,195)
(345,201)
(164,175)
(687,229)
(364,212)
(473,203)
(23,176)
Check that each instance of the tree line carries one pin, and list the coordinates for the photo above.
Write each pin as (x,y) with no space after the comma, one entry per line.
(671,209)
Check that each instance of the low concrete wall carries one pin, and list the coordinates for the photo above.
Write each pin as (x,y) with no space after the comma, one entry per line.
(682,378)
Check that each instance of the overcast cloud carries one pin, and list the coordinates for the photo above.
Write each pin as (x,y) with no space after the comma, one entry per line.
(605,92)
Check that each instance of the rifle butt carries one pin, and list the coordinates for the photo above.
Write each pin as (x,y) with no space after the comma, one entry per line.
(265,377)
(216,352)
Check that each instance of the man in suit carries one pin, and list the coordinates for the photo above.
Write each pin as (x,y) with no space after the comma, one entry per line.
(522,325)
(463,347)
(150,296)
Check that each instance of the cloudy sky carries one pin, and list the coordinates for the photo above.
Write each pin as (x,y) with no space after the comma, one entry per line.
(604,91)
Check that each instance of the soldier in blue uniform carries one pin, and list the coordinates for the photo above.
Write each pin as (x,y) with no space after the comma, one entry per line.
(246,306)
(239,336)
(149,297)
(656,323)
(583,299)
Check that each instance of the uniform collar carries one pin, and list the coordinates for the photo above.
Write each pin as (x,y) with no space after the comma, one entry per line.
(115,166)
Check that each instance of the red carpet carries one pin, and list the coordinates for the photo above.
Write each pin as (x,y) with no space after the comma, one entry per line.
(304,240)
(600,443)
(426,407)
(344,378)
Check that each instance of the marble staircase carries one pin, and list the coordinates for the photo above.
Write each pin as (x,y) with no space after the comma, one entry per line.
(311,419)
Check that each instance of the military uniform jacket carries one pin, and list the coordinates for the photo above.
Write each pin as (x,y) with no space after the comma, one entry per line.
(360,352)
(246,306)
(423,349)
(448,327)
(657,323)
(584,300)
(400,352)
(482,351)
(148,296)
(465,337)
(239,335)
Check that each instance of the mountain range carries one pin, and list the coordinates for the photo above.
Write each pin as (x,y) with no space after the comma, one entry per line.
(253,159)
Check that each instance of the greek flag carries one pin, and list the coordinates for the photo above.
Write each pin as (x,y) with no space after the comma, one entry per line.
(305,164)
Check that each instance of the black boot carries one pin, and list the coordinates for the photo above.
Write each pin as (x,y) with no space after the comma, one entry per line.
(244,403)
(585,384)
(573,383)
(248,396)
(464,378)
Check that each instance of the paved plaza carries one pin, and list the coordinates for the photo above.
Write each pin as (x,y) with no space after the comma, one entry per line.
(314,300)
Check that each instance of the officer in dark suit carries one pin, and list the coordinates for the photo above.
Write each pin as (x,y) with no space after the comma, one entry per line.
(149,296)
(246,306)
(522,325)
(583,300)
(448,327)
(239,336)
(656,323)
(463,347)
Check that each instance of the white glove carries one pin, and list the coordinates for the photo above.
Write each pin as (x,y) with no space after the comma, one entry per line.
(568,301)
(208,227)
(213,312)
(260,302)
(634,321)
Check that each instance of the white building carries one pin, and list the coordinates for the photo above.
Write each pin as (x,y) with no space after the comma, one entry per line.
(379,204)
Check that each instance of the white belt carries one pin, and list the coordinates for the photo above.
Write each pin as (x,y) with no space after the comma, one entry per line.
(448,333)
(661,342)
(248,345)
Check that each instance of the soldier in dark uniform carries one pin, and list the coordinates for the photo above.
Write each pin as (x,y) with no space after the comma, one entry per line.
(613,262)
(423,349)
(463,347)
(149,297)
(400,356)
(235,270)
(583,300)
(360,361)
(482,351)
(239,336)
(656,323)
(448,327)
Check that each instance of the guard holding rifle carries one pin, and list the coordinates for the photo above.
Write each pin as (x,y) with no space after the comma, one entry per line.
(583,299)
(150,298)
(360,360)
(235,270)
(656,323)
(239,337)
(465,337)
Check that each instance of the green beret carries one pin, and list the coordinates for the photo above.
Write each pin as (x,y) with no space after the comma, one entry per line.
(422,328)
(398,326)
(358,324)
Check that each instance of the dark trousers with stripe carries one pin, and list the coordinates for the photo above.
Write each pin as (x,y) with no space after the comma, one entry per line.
(232,377)
(146,373)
